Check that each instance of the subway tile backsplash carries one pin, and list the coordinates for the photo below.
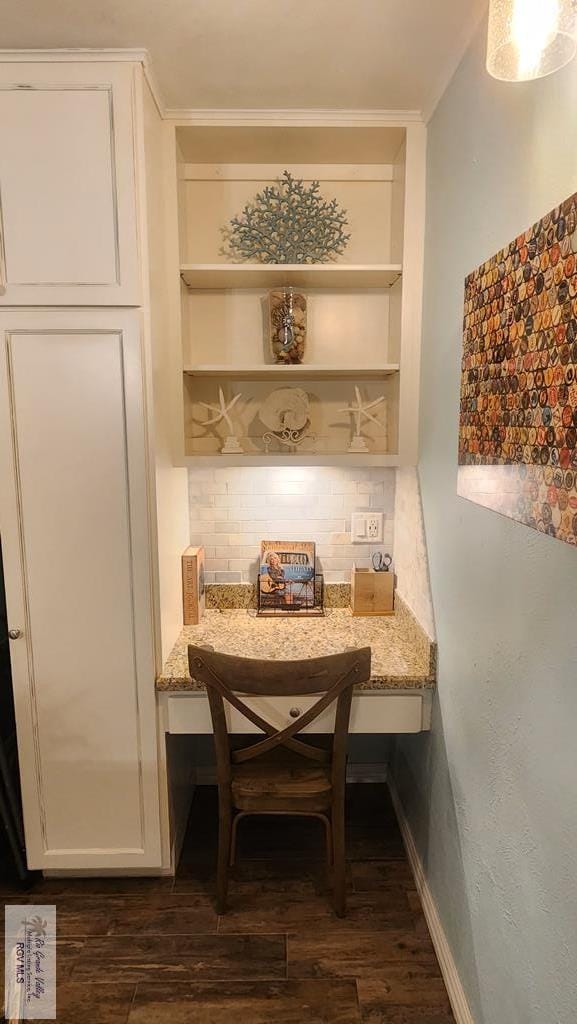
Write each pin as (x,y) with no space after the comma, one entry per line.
(233,509)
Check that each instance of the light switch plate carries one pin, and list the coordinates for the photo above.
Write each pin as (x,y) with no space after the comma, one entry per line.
(359,528)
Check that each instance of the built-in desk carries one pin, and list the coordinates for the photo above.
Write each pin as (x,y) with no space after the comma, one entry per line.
(397,698)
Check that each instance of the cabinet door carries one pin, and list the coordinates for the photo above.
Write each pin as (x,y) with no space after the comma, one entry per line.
(67,185)
(75,530)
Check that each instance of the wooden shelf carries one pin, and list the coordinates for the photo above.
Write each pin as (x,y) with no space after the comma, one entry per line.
(218,276)
(298,371)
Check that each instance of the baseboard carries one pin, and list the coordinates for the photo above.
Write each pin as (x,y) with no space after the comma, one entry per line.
(205,775)
(455,991)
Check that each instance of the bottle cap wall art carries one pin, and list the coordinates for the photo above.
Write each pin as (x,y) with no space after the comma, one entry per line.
(518,422)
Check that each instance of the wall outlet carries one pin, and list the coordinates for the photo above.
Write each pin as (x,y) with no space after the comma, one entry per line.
(367,527)
(375,527)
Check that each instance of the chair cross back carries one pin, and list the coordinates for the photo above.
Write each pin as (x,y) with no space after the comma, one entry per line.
(208,666)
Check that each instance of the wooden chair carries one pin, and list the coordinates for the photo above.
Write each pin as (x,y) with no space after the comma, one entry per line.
(280,773)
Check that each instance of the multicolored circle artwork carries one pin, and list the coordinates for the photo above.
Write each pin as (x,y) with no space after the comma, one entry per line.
(518,423)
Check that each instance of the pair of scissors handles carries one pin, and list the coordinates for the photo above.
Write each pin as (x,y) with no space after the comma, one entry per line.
(381,563)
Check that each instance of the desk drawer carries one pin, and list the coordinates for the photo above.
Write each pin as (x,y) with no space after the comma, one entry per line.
(370,713)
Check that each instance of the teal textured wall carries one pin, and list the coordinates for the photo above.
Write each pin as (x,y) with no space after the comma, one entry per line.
(490,793)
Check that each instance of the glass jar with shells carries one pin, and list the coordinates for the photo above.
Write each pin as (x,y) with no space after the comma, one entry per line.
(287,325)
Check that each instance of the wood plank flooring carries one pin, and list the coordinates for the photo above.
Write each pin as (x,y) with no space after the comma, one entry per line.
(153,951)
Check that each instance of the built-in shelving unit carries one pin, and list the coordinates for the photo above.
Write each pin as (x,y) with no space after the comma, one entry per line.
(363,310)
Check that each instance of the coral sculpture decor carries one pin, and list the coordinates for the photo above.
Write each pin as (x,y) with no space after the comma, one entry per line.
(288,223)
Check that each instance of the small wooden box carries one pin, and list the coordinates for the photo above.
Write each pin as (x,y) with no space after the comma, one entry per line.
(193,595)
(372,592)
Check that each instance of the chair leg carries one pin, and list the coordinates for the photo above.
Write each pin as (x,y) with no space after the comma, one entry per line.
(235,822)
(329,841)
(224,834)
(339,867)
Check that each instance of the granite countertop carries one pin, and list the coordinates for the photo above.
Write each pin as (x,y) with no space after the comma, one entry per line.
(403,656)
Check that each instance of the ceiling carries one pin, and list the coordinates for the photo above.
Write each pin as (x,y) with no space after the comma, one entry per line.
(257,54)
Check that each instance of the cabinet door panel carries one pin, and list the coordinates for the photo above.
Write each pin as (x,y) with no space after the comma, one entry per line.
(75,527)
(67,185)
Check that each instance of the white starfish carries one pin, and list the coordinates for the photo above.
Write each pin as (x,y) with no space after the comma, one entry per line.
(222,410)
(360,409)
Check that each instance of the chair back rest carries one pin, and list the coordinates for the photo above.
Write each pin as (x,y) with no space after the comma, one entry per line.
(332,677)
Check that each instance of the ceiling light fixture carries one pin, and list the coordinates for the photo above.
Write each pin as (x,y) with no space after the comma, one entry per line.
(530,38)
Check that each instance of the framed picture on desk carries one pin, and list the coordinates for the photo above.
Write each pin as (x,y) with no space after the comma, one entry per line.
(287,577)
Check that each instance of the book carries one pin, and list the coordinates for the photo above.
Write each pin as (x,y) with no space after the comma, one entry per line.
(193,587)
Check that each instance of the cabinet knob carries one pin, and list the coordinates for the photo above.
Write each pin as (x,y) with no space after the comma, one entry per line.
(295,712)
(14,634)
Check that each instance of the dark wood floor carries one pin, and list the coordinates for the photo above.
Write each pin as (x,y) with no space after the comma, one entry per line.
(153,951)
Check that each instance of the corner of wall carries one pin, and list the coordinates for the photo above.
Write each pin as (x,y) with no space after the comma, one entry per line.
(411,562)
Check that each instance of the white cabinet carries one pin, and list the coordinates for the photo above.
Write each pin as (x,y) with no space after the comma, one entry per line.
(75,532)
(67,184)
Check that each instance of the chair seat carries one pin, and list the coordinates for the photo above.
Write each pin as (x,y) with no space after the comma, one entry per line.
(290,788)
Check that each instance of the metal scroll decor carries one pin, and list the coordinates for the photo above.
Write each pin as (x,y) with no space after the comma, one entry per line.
(289,222)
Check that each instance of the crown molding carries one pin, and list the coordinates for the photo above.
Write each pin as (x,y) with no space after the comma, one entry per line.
(298,118)
(153,83)
(132,55)
(138,54)
(462,43)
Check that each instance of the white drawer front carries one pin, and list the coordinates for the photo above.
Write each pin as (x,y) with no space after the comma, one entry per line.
(370,713)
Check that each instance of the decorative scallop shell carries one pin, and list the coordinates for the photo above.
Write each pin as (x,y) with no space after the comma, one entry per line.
(285,408)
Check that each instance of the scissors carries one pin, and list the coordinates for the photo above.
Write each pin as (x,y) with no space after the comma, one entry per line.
(381,563)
